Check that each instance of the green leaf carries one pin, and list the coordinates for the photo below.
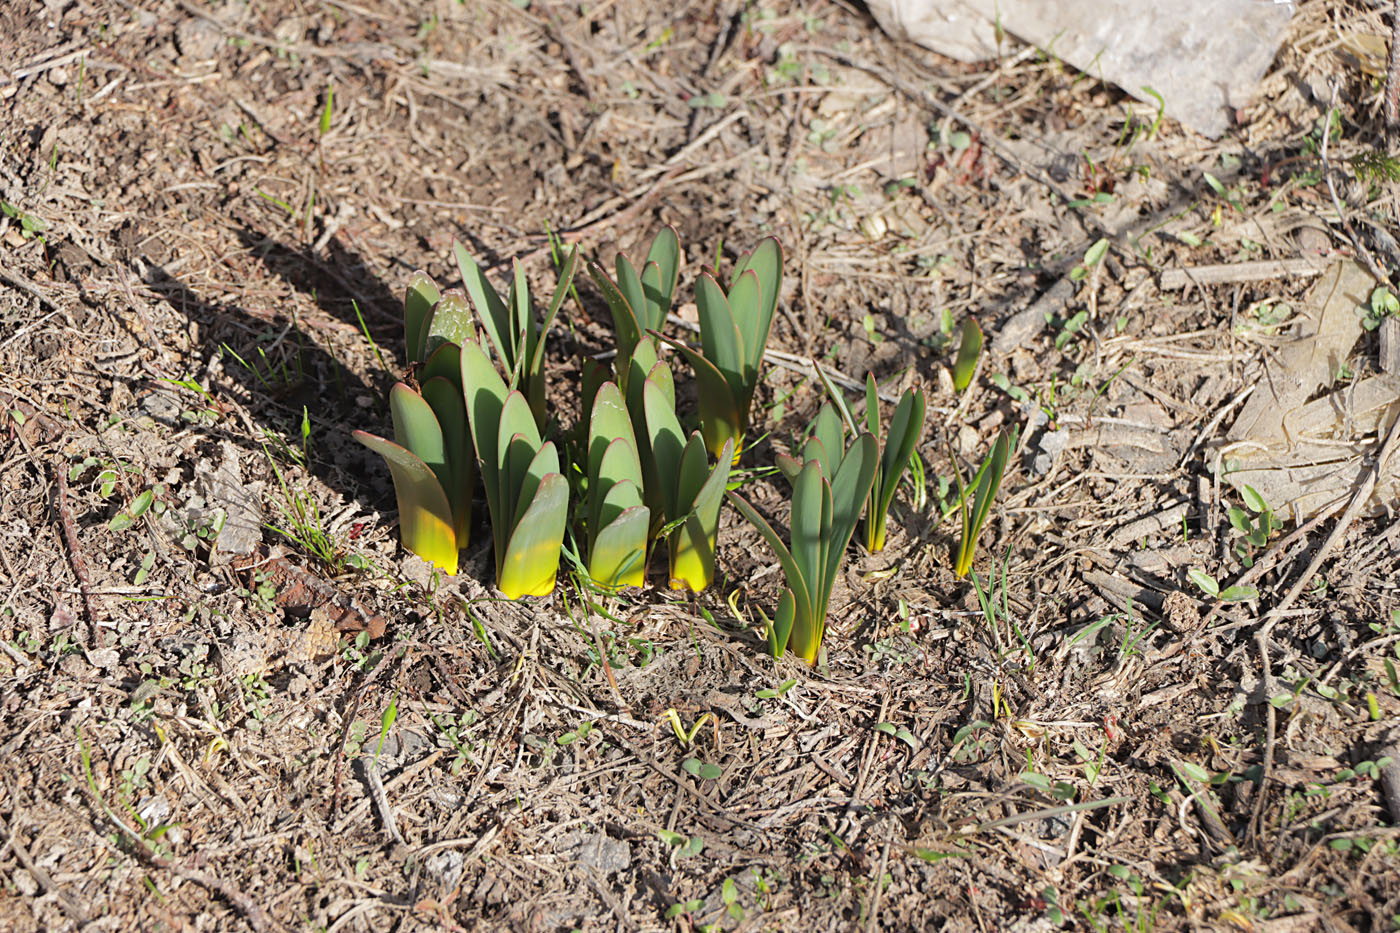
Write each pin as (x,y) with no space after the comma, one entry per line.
(618,555)
(1094,255)
(720,337)
(630,284)
(720,419)
(1205,581)
(969,349)
(619,498)
(141,503)
(1214,183)
(425,516)
(535,365)
(745,300)
(520,333)
(667,445)
(610,424)
(494,315)
(788,466)
(1253,500)
(797,596)
(692,545)
(445,362)
(811,510)
(780,630)
(543,463)
(416,428)
(518,443)
(1233,594)
(849,491)
(531,561)
(828,430)
(766,262)
(627,327)
(1193,771)
(665,257)
(485,394)
(444,396)
(419,298)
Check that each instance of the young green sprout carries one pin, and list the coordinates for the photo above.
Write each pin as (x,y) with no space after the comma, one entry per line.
(618,521)
(691,490)
(984,489)
(733,334)
(639,302)
(830,485)
(969,350)
(526,493)
(430,457)
(510,325)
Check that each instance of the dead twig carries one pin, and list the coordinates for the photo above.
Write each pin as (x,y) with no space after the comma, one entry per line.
(1392,80)
(75,553)
(1231,272)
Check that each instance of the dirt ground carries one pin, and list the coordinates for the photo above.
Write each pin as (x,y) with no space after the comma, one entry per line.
(211,210)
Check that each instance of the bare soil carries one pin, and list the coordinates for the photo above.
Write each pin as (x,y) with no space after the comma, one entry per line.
(199,257)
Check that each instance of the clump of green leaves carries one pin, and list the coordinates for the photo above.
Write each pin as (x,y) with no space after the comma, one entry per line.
(1256,523)
(734,328)
(1383,304)
(1374,165)
(430,456)
(830,486)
